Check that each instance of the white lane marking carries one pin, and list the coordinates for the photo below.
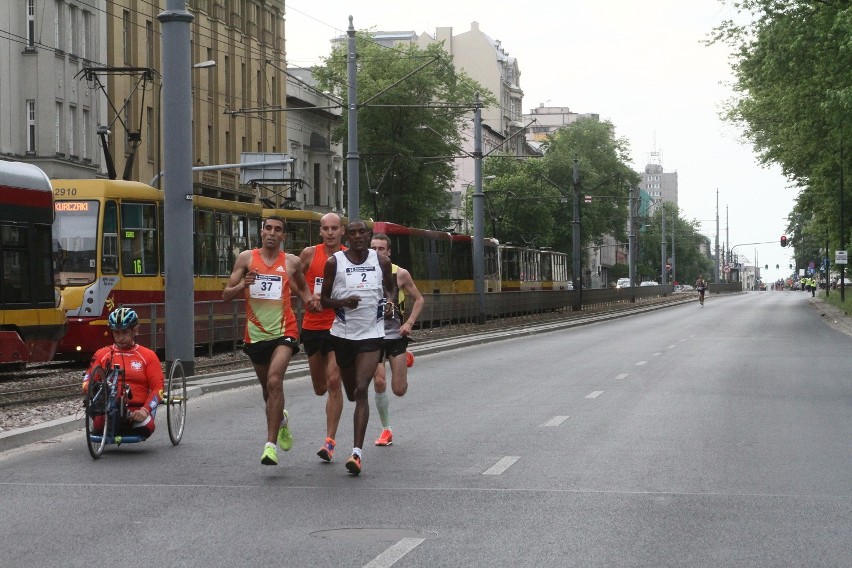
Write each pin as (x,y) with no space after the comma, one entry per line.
(657,354)
(553,422)
(672,346)
(621,376)
(640,363)
(594,394)
(501,465)
(390,556)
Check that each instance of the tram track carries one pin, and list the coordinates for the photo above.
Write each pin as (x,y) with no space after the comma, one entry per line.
(47,391)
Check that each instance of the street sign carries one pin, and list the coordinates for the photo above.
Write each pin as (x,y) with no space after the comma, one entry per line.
(726,269)
(668,266)
(840,257)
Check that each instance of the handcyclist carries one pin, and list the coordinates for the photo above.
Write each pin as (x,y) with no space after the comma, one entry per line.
(143,375)
(701,286)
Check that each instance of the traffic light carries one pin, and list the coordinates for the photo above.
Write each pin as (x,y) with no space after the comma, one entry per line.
(776,267)
(783,240)
(766,267)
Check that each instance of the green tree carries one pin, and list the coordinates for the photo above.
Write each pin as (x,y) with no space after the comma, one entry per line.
(413,108)
(793,67)
(689,260)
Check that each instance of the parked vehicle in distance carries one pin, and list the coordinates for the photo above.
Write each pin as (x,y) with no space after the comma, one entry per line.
(622,283)
(649,283)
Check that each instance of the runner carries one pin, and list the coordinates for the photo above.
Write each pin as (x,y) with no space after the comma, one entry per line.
(264,275)
(358,285)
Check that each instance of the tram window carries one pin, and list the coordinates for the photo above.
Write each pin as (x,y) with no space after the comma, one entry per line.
(444,264)
(109,252)
(419,270)
(297,236)
(138,237)
(223,244)
(75,232)
(239,238)
(463,261)
(254,233)
(205,243)
(13,240)
(43,284)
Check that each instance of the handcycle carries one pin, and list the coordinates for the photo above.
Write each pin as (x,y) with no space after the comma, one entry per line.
(107,395)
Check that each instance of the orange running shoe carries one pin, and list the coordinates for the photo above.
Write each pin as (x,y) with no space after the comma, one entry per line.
(353,465)
(327,450)
(409,359)
(386,439)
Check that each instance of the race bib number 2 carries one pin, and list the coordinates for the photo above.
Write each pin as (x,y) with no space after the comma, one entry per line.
(362,278)
(266,287)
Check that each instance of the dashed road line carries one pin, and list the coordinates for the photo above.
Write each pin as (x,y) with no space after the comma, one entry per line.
(621,376)
(501,465)
(390,556)
(594,394)
(554,422)
(640,363)
(657,354)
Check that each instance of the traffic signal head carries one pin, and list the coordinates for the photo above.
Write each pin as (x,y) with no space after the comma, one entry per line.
(783,240)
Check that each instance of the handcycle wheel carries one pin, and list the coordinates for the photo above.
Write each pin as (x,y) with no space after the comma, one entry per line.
(96,405)
(176,401)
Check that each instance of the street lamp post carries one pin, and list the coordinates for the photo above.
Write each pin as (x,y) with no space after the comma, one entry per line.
(631,246)
(575,237)
(478,214)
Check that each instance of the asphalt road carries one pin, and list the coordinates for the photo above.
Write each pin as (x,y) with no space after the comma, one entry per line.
(715,436)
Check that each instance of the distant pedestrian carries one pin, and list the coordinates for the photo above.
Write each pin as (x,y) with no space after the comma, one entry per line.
(265,276)
(701,286)
(358,285)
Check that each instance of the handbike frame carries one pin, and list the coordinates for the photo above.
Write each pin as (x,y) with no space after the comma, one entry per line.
(102,399)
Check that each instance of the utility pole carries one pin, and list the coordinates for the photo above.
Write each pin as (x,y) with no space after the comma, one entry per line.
(353,197)
(631,246)
(177,195)
(716,276)
(674,218)
(728,240)
(478,213)
(662,246)
(575,238)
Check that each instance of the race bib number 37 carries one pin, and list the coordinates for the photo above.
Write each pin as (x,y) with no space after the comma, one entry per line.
(266,287)
(362,278)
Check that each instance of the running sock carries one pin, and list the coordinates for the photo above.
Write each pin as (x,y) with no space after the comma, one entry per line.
(382,407)
(356,452)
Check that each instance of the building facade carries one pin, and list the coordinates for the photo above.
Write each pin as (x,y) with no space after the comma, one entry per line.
(48,114)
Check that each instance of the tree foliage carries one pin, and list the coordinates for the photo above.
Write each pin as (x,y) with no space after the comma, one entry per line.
(793,67)
(689,261)
(413,108)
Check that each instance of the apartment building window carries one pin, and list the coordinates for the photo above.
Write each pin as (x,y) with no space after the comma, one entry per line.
(73,31)
(149,39)
(211,75)
(30,25)
(125,34)
(84,136)
(316,182)
(58,25)
(57,127)
(244,78)
(85,35)
(149,133)
(228,86)
(31,127)
(211,146)
(71,130)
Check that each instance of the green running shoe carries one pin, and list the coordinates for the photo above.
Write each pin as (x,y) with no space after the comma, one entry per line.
(270,455)
(285,439)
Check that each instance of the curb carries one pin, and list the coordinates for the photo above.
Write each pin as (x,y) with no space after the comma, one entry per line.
(228,380)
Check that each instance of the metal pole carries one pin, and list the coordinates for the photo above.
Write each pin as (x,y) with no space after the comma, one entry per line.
(716,276)
(663,247)
(353,204)
(674,218)
(478,213)
(631,246)
(842,224)
(177,197)
(577,264)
